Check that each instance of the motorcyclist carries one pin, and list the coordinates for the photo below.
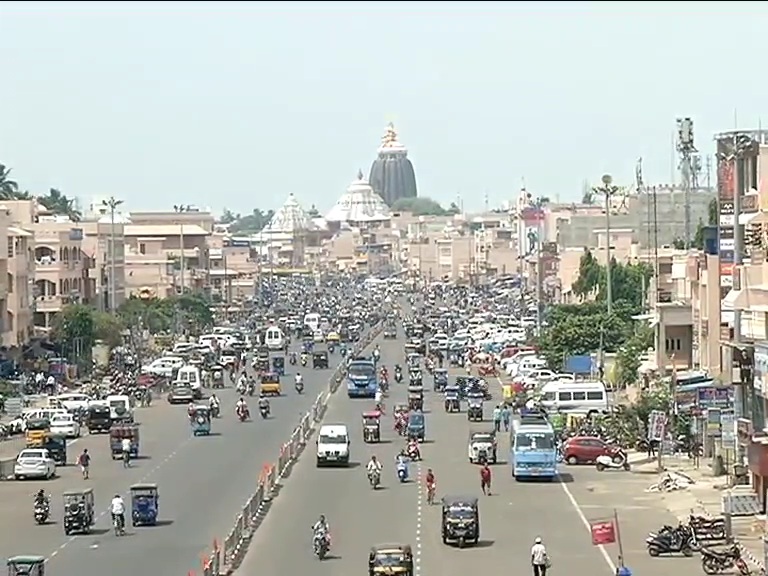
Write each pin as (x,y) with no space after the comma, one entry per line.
(213,401)
(117,508)
(379,399)
(292,358)
(41,499)
(373,466)
(413,448)
(263,403)
(299,379)
(384,373)
(125,445)
(190,409)
(304,357)
(242,381)
(241,406)
(398,371)
(321,531)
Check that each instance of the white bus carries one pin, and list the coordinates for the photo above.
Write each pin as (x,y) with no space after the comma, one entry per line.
(574,397)
(313,321)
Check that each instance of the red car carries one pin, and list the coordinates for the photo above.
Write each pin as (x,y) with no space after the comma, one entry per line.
(586,449)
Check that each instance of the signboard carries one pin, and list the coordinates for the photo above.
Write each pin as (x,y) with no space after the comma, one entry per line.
(726,208)
(715,397)
(727,244)
(603,532)
(725,177)
(728,430)
(657,421)
(713,422)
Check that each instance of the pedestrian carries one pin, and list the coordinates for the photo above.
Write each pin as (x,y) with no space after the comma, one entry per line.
(85,463)
(497,418)
(505,417)
(485,479)
(539,558)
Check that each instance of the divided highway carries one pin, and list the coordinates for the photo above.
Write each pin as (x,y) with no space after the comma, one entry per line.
(510,519)
(203,483)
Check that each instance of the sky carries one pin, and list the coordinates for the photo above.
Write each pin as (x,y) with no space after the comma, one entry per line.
(237,105)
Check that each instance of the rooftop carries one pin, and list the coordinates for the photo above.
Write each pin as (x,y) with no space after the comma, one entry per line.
(165,230)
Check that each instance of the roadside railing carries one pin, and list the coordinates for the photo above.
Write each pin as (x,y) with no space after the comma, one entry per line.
(225,556)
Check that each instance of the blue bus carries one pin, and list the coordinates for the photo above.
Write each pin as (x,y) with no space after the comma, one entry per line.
(361,378)
(533,450)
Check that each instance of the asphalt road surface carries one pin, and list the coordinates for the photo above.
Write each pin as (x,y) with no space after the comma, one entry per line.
(203,483)
(510,519)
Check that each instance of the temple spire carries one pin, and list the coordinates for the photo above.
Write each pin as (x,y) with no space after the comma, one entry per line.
(359,174)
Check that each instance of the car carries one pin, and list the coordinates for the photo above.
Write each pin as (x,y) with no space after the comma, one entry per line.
(34,463)
(585,449)
(181,395)
(164,366)
(65,425)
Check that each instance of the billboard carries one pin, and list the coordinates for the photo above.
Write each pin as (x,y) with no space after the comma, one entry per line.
(726,167)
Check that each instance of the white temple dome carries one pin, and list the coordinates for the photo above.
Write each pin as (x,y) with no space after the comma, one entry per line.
(359,204)
(289,218)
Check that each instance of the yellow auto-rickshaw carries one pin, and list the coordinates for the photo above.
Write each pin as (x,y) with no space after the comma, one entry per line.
(270,384)
(37,430)
(333,338)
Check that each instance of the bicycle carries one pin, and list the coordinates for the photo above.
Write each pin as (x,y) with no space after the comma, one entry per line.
(126,459)
(118,521)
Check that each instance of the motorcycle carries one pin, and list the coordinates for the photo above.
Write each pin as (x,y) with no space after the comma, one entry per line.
(617,461)
(242,414)
(707,529)
(384,385)
(250,389)
(402,471)
(398,376)
(401,426)
(292,359)
(320,545)
(300,387)
(240,388)
(303,360)
(718,561)
(374,478)
(413,452)
(42,512)
(671,540)
(215,410)
(264,411)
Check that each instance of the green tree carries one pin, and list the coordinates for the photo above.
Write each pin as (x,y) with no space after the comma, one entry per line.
(590,274)
(108,328)
(253,222)
(61,204)
(8,187)
(74,330)
(587,196)
(227,217)
(419,206)
(159,315)
(712,220)
(629,356)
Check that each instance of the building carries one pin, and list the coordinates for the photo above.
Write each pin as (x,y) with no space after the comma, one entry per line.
(104,243)
(392,175)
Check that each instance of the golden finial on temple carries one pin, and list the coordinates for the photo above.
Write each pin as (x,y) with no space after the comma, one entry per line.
(390,136)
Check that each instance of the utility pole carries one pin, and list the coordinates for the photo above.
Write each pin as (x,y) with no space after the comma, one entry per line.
(608,189)
(686,149)
(111,204)
(179,208)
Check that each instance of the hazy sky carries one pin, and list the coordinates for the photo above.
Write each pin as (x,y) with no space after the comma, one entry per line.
(239,104)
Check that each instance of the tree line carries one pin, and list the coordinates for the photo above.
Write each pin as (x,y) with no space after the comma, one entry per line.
(54,200)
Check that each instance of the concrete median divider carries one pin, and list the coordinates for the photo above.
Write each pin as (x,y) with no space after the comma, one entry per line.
(226,555)
(6,468)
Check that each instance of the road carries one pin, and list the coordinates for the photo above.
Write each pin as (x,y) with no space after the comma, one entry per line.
(511,518)
(203,484)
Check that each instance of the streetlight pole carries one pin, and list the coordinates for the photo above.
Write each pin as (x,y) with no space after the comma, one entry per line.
(112,204)
(608,189)
(179,208)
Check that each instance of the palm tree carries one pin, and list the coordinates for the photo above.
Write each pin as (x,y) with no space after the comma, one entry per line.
(8,188)
(59,203)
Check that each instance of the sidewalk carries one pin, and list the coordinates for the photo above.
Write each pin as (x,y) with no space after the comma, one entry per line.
(704,497)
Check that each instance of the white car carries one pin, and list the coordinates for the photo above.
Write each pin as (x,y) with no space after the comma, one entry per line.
(163,366)
(34,463)
(65,425)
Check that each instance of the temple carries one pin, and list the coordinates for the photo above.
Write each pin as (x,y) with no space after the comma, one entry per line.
(392,175)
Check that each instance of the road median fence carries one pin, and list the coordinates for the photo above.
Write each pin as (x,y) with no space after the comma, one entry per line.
(226,555)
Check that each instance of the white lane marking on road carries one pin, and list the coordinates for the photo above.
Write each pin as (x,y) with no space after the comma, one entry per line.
(607,557)
(125,492)
(419,510)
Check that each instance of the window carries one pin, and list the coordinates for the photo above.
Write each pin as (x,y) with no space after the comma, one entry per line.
(579,396)
(564,396)
(142,248)
(10,249)
(595,396)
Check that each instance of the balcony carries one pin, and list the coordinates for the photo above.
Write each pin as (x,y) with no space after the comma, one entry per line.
(49,303)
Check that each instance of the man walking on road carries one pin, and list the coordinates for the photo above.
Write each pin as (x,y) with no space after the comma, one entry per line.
(85,463)
(539,558)
(485,479)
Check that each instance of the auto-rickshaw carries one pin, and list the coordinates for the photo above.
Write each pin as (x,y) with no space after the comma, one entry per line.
(307,345)
(416,425)
(144,504)
(372,426)
(26,566)
(36,432)
(390,559)
(452,403)
(343,349)
(440,379)
(270,384)
(200,420)
(320,360)
(56,444)
(415,400)
(333,338)
(278,365)
(217,375)
(116,435)
(79,511)
(413,360)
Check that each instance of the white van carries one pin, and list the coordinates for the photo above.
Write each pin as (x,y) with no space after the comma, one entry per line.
(312,320)
(190,376)
(273,338)
(120,407)
(333,445)
(574,397)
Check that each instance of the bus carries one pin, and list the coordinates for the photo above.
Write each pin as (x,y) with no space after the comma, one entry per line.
(533,450)
(361,378)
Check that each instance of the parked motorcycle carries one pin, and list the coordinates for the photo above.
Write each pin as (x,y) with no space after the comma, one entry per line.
(671,540)
(706,530)
(616,461)
(717,561)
